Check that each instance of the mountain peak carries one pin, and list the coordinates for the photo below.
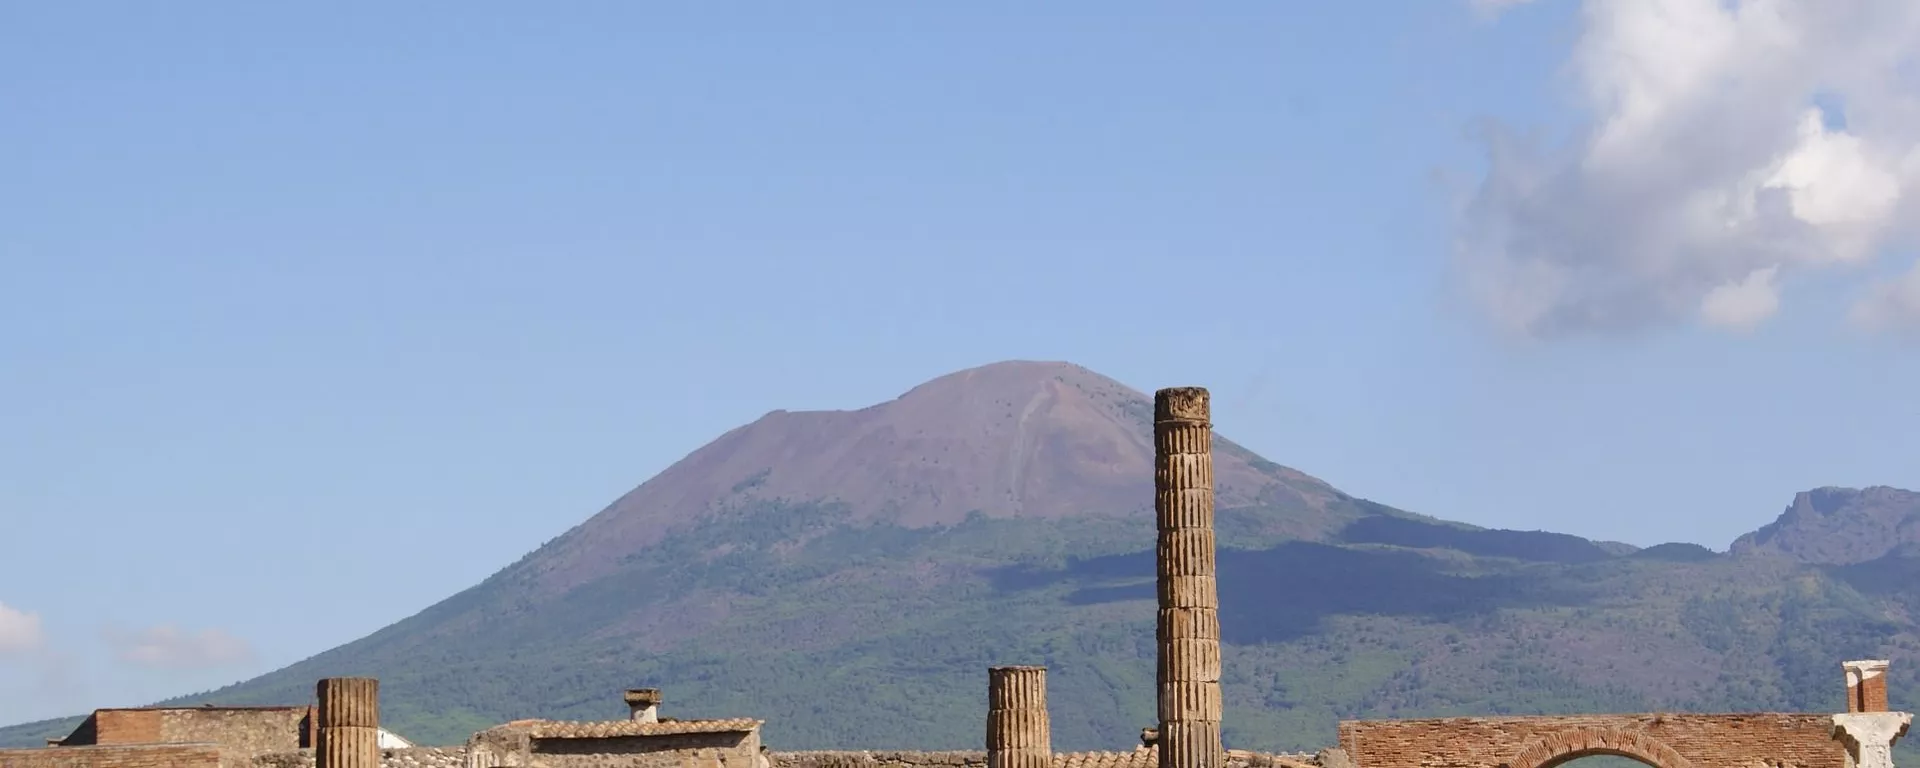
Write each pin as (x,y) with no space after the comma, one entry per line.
(1839,526)
(1019,439)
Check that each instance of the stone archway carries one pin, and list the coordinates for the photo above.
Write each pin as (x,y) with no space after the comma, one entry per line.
(1660,740)
(1552,749)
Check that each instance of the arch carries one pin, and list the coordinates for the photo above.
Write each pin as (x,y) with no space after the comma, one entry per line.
(1557,747)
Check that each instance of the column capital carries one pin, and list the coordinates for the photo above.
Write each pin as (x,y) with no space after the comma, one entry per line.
(1872,728)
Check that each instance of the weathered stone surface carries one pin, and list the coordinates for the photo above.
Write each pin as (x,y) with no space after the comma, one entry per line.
(604,744)
(351,701)
(116,756)
(248,730)
(1333,757)
(1188,630)
(1870,736)
(1662,740)
(1138,758)
(417,757)
(349,720)
(347,746)
(1019,734)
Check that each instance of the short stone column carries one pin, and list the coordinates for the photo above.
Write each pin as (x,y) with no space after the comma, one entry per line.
(1866,685)
(1188,630)
(1019,734)
(1870,736)
(349,715)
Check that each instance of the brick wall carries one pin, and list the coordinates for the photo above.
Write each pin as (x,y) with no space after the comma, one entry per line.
(126,726)
(145,756)
(244,731)
(1667,741)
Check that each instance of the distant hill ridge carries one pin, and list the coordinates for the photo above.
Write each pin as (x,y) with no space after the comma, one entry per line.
(1839,526)
(880,558)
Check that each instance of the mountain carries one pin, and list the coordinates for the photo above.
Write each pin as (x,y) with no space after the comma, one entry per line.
(1840,526)
(848,575)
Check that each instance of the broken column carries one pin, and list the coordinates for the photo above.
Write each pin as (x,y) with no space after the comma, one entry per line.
(1866,685)
(643,704)
(1019,734)
(1867,729)
(1188,629)
(349,720)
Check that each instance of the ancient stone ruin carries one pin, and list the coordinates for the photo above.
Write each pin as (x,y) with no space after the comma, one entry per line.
(342,729)
(348,721)
(1188,625)
(1018,732)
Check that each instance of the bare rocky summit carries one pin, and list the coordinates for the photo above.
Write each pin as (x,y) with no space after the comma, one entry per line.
(1839,526)
(1017,439)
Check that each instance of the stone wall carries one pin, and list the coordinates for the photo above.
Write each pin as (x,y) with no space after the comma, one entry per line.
(692,750)
(1135,758)
(1662,740)
(417,757)
(246,731)
(144,756)
(878,759)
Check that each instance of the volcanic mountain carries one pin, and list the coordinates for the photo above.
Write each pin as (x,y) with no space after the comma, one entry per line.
(1016,440)
(848,575)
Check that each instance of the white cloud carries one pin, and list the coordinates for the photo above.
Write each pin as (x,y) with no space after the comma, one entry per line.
(1892,305)
(20,632)
(1742,304)
(1707,175)
(167,646)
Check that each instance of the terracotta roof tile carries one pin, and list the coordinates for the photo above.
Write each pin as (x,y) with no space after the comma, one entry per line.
(1149,757)
(606,729)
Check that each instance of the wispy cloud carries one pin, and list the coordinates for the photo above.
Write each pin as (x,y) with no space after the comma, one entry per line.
(169,647)
(20,631)
(1733,147)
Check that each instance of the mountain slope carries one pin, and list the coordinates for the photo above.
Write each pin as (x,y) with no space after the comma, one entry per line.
(1839,526)
(848,576)
(1021,439)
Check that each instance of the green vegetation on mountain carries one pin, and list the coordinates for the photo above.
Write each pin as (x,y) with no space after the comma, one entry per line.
(746,588)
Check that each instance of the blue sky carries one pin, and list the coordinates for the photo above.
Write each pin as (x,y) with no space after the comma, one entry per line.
(312,317)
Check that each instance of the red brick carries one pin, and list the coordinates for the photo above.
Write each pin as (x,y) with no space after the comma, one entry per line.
(143,756)
(1663,740)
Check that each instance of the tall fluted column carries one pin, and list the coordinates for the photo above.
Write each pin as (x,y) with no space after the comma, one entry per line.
(349,715)
(1189,624)
(1019,735)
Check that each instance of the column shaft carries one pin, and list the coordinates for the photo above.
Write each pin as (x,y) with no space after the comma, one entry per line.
(1188,628)
(349,719)
(1019,734)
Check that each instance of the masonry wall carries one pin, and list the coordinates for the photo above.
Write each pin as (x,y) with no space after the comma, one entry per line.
(732,749)
(416,757)
(1668,741)
(878,759)
(126,726)
(144,756)
(244,731)
(1133,758)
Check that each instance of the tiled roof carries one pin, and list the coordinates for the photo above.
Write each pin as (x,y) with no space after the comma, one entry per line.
(607,729)
(1139,758)
(1149,757)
